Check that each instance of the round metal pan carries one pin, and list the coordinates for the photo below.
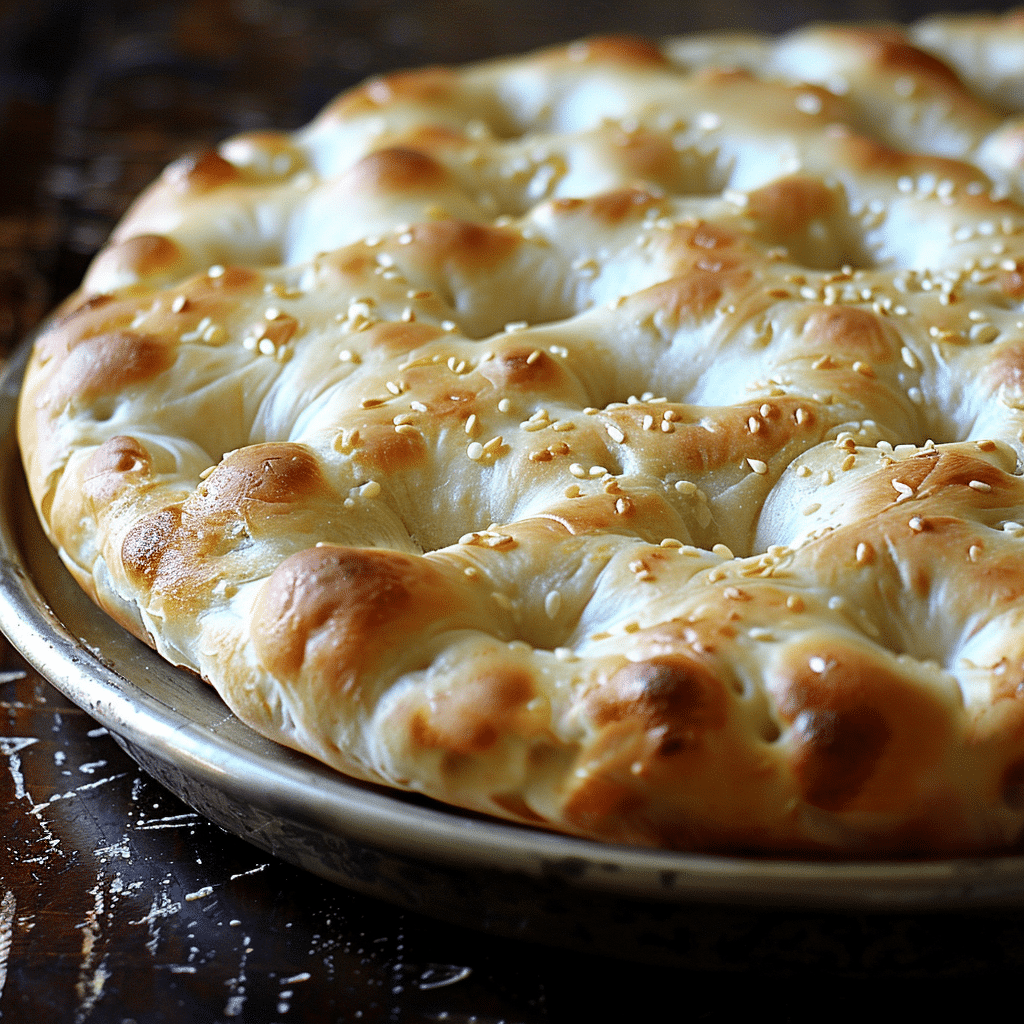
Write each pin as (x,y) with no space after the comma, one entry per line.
(490,875)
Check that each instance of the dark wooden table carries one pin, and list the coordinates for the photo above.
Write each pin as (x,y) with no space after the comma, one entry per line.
(120,904)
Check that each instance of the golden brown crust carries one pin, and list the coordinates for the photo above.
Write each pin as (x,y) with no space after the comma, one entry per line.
(624,439)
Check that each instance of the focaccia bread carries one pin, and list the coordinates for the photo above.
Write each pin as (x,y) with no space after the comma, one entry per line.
(624,439)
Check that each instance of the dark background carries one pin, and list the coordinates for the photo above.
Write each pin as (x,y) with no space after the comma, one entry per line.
(118,903)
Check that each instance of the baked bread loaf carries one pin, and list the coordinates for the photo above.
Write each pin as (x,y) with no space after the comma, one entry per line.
(624,439)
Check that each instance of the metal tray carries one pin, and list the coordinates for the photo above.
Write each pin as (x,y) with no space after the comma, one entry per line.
(484,874)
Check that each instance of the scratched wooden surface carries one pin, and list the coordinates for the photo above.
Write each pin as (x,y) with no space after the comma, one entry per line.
(117,902)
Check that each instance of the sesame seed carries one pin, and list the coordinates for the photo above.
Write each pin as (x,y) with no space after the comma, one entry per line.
(759,467)
(723,551)
(371,489)
(472,424)
(795,603)
(504,405)
(903,490)
(865,553)
(614,433)
(974,552)
(809,510)
(980,485)
(179,304)
(475,451)
(215,271)
(577,470)
(916,523)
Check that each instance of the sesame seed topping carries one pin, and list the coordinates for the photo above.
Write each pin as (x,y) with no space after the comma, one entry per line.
(475,451)
(980,485)
(865,553)
(759,467)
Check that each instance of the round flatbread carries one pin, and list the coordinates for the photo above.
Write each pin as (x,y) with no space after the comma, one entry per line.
(623,439)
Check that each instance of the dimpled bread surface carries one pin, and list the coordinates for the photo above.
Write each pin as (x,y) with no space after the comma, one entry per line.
(624,439)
